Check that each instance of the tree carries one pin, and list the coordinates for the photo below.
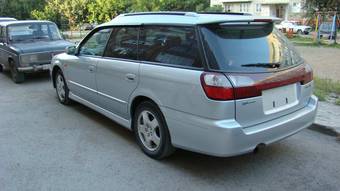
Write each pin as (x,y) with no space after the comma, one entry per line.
(75,11)
(51,12)
(105,10)
(146,5)
(20,9)
(322,5)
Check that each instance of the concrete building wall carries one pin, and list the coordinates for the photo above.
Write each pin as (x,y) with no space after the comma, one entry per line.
(285,9)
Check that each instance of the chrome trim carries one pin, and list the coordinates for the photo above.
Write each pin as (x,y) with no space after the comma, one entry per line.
(75,83)
(95,91)
(110,97)
(34,68)
(51,51)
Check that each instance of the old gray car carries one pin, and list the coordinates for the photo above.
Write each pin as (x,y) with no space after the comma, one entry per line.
(28,46)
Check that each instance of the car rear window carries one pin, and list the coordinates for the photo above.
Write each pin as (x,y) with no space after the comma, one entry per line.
(247,47)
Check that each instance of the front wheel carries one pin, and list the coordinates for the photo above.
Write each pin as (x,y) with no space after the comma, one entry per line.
(17,77)
(61,88)
(151,131)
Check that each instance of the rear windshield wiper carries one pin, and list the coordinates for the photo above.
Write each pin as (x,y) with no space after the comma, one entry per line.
(263,65)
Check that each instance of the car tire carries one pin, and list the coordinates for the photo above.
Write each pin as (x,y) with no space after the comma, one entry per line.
(300,32)
(17,77)
(61,88)
(306,32)
(151,131)
(1,68)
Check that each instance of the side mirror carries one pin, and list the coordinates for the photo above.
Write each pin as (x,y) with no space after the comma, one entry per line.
(71,50)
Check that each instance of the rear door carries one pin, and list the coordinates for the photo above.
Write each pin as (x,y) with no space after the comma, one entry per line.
(269,78)
(117,72)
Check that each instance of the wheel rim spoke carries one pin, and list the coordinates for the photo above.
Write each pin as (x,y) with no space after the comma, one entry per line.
(60,87)
(148,130)
(155,139)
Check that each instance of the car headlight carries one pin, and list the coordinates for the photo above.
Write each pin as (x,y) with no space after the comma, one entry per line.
(27,59)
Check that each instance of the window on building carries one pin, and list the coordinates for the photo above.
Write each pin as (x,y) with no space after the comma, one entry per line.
(244,7)
(258,7)
(228,7)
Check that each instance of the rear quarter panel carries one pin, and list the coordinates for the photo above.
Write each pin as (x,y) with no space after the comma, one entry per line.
(180,89)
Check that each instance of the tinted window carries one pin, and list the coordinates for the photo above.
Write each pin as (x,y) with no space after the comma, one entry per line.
(170,45)
(247,48)
(95,45)
(123,43)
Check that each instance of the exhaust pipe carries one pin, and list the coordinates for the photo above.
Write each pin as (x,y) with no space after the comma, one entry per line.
(259,147)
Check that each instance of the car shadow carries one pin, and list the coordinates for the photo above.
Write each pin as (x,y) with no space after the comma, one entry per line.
(103,121)
(31,78)
(190,162)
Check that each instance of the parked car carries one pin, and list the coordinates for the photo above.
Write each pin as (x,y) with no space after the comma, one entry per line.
(4,19)
(216,84)
(326,29)
(28,46)
(296,26)
(87,26)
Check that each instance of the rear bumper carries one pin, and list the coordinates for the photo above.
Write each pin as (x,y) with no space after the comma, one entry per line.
(227,138)
(34,68)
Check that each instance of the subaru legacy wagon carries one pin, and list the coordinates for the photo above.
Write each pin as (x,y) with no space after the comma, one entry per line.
(217,84)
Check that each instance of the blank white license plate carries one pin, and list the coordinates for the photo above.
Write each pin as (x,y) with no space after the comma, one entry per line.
(278,99)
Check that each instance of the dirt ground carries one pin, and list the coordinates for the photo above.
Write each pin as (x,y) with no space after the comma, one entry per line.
(325,61)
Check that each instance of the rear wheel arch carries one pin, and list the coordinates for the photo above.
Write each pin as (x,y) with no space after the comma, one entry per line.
(137,101)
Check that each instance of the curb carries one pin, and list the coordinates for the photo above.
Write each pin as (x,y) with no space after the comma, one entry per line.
(324,130)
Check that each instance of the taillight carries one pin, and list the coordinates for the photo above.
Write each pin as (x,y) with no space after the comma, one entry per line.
(308,75)
(216,86)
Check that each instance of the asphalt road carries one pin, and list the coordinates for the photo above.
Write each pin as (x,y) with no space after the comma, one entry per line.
(47,146)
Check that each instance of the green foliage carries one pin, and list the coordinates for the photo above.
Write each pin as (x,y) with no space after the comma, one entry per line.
(20,9)
(337,101)
(215,8)
(100,11)
(51,12)
(324,87)
(76,12)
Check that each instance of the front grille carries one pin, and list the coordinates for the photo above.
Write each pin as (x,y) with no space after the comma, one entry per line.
(37,58)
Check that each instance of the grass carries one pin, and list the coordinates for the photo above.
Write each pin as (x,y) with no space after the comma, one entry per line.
(307,41)
(324,87)
(337,101)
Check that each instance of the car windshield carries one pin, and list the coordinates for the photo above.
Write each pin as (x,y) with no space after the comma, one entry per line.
(247,47)
(33,31)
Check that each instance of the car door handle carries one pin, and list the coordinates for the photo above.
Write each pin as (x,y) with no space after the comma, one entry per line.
(130,77)
(92,68)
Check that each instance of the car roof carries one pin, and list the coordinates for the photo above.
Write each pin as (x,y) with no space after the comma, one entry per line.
(182,18)
(6,23)
(7,18)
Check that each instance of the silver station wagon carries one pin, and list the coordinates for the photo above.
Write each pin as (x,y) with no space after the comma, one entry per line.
(217,84)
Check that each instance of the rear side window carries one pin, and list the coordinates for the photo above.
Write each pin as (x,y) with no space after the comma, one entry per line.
(169,45)
(123,43)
